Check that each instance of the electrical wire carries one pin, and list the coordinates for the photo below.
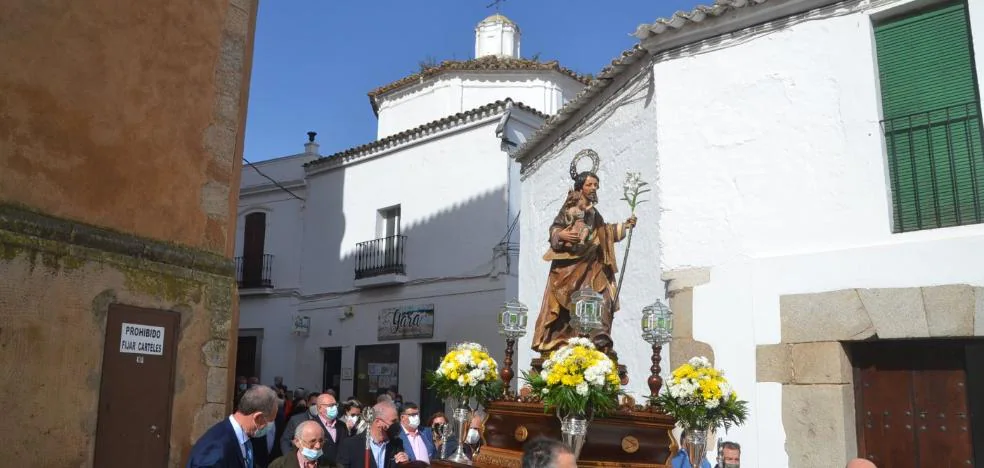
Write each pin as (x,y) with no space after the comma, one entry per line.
(281,187)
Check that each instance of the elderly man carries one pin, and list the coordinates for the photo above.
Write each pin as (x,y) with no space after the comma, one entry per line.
(860,463)
(309,438)
(385,446)
(417,441)
(542,452)
(324,412)
(227,443)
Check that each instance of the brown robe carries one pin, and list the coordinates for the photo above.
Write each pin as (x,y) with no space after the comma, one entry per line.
(590,263)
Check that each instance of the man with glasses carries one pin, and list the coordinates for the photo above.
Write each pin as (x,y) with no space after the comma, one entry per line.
(309,438)
(418,442)
(325,413)
(384,448)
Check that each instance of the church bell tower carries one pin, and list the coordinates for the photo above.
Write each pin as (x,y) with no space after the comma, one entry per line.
(497,36)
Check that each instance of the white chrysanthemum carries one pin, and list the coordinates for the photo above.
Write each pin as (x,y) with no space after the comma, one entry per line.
(699,362)
(711,403)
(581,389)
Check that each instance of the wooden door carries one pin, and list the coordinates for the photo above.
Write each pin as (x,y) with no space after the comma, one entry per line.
(254,236)
(137,387)
(912,405)
(431,355)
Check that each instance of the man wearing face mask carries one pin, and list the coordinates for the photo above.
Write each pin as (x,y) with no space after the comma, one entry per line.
(385,446)
(324,411)
(473,440)
(309,437)
(227,443)
(417,441)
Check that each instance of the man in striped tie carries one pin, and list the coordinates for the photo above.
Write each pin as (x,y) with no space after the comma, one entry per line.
(227,444)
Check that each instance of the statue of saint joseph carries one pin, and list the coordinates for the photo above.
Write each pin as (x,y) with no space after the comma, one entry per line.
(582,252)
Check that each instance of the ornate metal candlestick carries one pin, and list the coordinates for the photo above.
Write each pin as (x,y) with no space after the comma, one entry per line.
(657,330)
(512,325)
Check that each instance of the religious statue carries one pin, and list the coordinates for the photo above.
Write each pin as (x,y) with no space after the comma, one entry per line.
(582,252)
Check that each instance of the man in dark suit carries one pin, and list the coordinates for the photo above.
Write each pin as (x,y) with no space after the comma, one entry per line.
(325,412)
(385,446)
(227,443)
(417,441)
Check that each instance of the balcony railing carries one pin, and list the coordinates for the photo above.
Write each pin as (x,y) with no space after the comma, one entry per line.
(380,257)
(936,167)
(253,271)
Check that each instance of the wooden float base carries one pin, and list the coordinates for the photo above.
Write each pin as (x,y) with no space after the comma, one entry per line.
(629,439)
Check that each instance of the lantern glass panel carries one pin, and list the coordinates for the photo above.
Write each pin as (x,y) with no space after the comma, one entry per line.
(657,323)
(587,309)
(513,318)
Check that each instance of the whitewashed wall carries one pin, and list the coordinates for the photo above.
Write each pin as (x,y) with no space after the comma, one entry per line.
(284,237)
(623,134)
(450,93)
(453,192)
(772,174)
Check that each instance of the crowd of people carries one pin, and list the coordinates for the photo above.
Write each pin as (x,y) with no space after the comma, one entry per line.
(274,428)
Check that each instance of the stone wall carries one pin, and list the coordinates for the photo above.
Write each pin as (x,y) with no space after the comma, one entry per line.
(121,132)
(680,286)
(815,371)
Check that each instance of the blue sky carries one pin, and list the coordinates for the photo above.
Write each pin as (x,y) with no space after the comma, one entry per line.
(315,60)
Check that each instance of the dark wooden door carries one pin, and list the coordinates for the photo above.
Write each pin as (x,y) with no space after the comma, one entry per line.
(430,359)
(246,357)
(912,405)
(332,370)
(137,387)
(254,236)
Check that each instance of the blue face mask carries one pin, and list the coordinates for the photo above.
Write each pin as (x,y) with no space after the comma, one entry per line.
(331,412)
(311,454)
(263,431)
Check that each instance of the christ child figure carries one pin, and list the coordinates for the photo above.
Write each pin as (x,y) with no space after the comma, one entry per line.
(574,208)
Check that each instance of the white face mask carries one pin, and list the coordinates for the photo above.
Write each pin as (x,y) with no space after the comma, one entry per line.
(413,421)
(472,437)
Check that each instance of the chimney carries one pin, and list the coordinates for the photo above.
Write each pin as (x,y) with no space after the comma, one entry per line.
(311,147)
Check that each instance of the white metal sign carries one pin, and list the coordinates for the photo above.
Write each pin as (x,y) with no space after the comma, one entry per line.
(142,339)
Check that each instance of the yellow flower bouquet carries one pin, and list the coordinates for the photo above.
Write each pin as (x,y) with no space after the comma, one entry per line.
(577,379)
(699,397)
(467,372)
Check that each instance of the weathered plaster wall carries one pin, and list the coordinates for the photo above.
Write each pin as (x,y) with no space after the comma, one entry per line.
(120,139)
(105,107)
(53,305)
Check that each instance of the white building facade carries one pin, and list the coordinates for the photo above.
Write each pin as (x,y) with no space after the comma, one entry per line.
(797,246)
(406,245)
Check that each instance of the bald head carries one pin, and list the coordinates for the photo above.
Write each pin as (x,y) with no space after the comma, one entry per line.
(860,463)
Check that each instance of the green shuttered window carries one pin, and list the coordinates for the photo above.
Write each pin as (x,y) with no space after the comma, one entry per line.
(932,119)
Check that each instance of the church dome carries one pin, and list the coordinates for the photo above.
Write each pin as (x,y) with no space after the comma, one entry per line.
(497,18)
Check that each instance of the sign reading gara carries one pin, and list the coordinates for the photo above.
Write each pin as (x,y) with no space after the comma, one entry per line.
(406,322)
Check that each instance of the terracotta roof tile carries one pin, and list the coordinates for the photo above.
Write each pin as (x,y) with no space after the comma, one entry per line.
(422,130)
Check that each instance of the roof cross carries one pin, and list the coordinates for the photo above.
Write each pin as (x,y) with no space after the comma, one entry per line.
(495,3)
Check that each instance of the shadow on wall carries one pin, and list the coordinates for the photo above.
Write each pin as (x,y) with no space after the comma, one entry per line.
(456,242)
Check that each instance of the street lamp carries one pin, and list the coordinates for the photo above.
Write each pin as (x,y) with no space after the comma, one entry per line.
(512,324)
(657,330)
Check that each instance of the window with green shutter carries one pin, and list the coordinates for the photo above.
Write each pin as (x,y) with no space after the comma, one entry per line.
(932,119)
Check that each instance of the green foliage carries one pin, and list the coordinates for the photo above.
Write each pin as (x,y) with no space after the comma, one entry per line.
(598,401)
(482,392)
(730,412)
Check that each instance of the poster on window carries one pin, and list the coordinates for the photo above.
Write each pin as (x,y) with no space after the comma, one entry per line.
(400,323)
(382,375)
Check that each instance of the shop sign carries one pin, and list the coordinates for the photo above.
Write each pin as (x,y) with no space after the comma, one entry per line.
(406,322)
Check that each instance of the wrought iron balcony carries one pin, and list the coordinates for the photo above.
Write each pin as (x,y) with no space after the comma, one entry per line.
(253,271)
(936,167)
(383,256)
